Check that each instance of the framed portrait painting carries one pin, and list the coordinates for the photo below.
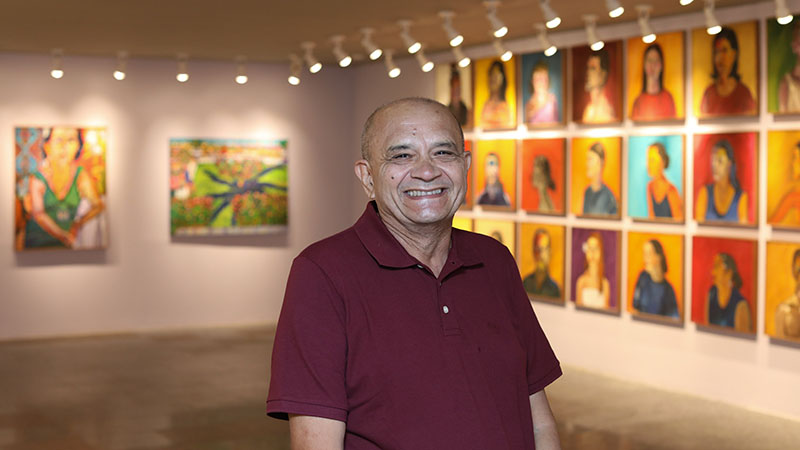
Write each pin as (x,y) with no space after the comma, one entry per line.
(502,230)
(596,177)
(724,283)
(783,67)
(60,188)
(726,178)
(495,168)
(783,179)
(454,90)
(725,71)
(597,84)
(655,178)
(655,276)
(542,89)
(543,171)
(782,311)
(656,79)
(595,268)
(470,181)
(495,94)
(541,261)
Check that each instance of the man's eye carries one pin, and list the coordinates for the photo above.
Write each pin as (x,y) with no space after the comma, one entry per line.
(401,156)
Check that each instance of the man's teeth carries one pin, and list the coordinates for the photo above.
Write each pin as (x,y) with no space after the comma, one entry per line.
(421,193)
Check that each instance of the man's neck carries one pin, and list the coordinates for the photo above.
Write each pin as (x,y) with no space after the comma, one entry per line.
(429,244)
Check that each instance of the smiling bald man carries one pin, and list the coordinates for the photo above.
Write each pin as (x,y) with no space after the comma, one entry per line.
(402,332)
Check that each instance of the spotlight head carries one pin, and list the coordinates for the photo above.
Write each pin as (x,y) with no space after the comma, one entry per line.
(462,60)
(551,18)
(411,44)
(369,46)
(314,65)
(391,68)
(614,8)
(295,68)
(341,56)
(119,72)
(498,28)
(712,25)
(425,64)
(454,36)
(594,42)
(183,74)
(56,71)
(782,14)
(686,2)
(241,70)
(648,37)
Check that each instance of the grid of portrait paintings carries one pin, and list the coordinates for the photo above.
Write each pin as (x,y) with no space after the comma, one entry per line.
(608,197)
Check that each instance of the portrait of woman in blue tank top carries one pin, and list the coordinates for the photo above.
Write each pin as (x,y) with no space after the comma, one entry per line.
(663,199)
(726,306)
(653,293)
(724,199)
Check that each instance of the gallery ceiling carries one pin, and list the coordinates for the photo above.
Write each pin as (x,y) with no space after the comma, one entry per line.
(269,30)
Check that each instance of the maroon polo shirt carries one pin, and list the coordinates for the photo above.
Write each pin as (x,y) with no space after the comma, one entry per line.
(369,336)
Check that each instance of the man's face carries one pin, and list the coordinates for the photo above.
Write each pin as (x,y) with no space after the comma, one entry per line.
(541,252)
(417,168)
(595,75)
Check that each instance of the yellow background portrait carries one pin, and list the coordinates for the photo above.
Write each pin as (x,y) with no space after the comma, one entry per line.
(557,247)
(462,223)
(506,150)
(673,252)
(481,86)
(504,227)
(780,149)
(611,171)
(672,75)
(780,282)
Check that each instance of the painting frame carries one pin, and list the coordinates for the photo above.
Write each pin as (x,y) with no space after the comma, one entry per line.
(583,166)
(452,79)
(590,299)
(545,158)
(502,197)
(665,251)
(541,289)
(669,155)
(500,113)
(783,179)
(782,294)
(780,39)
(645,107)
(606,65)
(556,69)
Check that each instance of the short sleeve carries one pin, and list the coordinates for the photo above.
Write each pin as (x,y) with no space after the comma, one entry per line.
(309,354)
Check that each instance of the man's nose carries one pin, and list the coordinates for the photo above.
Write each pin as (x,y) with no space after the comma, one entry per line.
(426,169)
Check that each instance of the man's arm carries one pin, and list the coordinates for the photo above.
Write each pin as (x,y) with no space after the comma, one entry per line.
(545,432)
(318,433)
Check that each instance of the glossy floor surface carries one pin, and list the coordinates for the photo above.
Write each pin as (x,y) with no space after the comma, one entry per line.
(205,389)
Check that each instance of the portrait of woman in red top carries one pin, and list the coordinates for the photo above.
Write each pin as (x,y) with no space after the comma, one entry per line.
(727,94)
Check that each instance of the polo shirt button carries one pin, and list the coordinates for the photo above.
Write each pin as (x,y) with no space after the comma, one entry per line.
(420,266)
(445,309)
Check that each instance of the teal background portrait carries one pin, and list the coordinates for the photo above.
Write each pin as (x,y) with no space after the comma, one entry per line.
(555,65)
(638,177)
(780,59)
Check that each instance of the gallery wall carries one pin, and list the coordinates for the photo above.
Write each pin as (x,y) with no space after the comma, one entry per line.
(144,279)
(755,372)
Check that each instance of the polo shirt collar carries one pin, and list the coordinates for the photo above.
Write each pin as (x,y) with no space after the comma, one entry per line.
(388,252)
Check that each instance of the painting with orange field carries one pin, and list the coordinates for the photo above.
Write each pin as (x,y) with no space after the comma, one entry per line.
(543,166)
(495,84)
(672,248)
(783,179)
(652,107)
(553,239)
(611,172)
(495,162)
(782,305)
(501,230)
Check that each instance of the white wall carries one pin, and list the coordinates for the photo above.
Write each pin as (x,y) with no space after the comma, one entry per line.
(144,280)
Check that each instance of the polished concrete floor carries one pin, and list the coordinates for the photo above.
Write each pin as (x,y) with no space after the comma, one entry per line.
(205,389)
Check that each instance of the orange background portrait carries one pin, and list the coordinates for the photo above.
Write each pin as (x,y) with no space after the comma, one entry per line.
(704,249)
(507,151)
(504,227)
(780,168)
(481,86)
(611,172)
(673,253)
(557,247)
(672,73)
(613,86)
(780,281)
(703,68)
(553,150)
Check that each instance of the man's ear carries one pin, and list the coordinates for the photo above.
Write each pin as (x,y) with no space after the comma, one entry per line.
(364,174)
(468,157)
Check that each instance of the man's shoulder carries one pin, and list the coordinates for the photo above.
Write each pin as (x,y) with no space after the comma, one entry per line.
(333,249)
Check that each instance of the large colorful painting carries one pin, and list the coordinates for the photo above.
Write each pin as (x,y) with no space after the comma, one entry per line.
(655,276)
(501,230)
(724,283)
(541,261)
(454,89)
(783,67)
(543,171)
(543,89)
(596,177)
(228,186)
(495,94)
(655,178)
(656,78)
(596,269)
(783,179)
(725,71)
(597,84)
(726,178)
(60,192)
(495,169)
(782,311)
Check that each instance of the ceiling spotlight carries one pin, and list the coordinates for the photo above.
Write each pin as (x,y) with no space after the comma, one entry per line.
(56,70)
(424,63)
(614,8)
(462,60)
(343,58)
(782,13)
(547,46)
(366,41)
(648,37)
(505,55)
(447,22)
(183,74)
(411,44)
(712,25)
(313,63)
(551,18)
(686,2)
(122,62)
(241,70)
(295,67)
(591,24)
(498,28)
(391,67)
